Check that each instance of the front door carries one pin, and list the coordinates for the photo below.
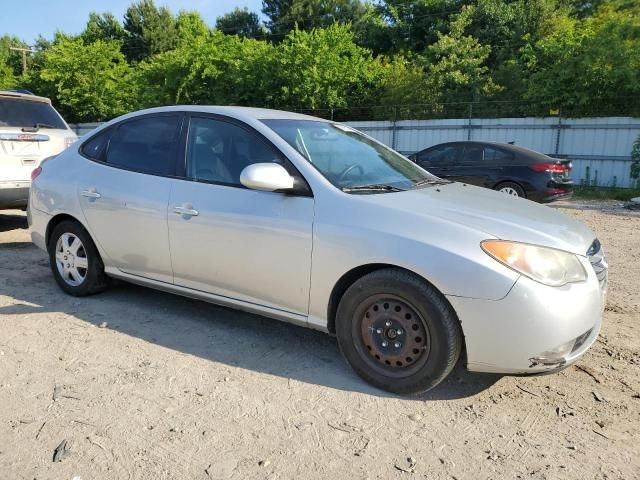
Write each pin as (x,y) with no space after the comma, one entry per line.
(124,192)
(231,241)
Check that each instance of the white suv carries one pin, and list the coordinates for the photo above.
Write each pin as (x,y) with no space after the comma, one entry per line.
(30,131)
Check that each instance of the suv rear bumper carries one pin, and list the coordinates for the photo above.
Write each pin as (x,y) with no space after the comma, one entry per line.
(14,194)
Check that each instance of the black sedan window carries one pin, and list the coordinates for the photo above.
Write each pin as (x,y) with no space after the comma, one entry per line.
(496,155)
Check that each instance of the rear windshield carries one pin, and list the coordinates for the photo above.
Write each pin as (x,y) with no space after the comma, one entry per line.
(25,113)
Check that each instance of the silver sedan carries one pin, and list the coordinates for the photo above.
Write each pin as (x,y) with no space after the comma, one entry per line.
(312,222)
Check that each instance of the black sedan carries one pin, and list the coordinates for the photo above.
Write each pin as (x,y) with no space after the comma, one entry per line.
(504,167)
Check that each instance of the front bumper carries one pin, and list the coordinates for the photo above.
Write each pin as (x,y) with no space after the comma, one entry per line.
(519,334)
(14,194)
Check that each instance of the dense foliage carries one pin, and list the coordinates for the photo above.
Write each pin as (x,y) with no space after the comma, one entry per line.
(357,58)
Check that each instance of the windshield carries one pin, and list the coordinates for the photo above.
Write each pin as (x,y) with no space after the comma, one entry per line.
(29,114)
(348,159)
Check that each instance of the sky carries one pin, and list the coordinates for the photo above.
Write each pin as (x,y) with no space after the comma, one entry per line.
(26,19)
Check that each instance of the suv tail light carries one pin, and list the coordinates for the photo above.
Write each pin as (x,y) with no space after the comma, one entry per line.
(547,167)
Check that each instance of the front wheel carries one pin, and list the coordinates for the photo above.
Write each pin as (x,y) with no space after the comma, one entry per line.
(398,332)
(75,261)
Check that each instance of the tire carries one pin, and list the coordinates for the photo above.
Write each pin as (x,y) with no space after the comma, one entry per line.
(398,307)
(511,188)
(90,276)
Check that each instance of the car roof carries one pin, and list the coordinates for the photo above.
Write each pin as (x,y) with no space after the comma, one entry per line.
(241,113)
(526,152)
(23,96)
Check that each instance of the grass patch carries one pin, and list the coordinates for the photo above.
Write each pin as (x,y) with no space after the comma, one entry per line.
(582,192)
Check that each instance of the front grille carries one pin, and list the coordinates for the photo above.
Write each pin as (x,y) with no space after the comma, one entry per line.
(599,263)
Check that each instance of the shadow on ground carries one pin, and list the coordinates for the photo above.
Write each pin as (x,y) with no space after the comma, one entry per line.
(197,328)
(10,222)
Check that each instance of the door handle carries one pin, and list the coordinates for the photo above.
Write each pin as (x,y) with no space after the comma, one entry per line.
(190,212)
(91,193)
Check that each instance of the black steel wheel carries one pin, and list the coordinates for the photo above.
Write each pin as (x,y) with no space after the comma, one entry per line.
(398,332)
(394,338)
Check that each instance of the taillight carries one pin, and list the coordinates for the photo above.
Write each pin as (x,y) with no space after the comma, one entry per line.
(36,171)
(547,167)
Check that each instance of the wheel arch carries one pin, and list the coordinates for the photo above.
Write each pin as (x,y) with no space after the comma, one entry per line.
(353,275)
(57,220)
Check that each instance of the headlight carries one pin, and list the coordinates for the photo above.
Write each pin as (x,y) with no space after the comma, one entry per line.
(542,264)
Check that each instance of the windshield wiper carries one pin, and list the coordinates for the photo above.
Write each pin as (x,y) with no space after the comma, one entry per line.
(37,127)
(431,181)
(378,187)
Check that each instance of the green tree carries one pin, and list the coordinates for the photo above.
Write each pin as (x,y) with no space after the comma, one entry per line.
(211,68)
(323,68)
(284,15)
(415,24)
(456,66)
(590,65)
(240,22)
(89,82)
(150,30)
(404,83)
(635,159)
(190,26)
(7,78)
(103,27)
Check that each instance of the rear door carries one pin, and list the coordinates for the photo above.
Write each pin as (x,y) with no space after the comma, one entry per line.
(124,191)
(30,130)
(496,165)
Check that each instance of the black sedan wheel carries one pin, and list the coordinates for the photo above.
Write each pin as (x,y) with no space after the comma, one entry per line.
(511,188)
(398,332)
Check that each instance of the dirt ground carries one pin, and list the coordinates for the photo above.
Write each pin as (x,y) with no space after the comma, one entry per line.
(142,384)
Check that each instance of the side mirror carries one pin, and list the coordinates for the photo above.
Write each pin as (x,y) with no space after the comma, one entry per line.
(268,177)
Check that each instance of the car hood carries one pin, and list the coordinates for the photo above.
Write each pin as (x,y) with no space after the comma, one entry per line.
(496,214)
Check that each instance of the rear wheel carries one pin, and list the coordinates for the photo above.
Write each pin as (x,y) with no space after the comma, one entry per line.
(398,332)
(75,261)
(511,188)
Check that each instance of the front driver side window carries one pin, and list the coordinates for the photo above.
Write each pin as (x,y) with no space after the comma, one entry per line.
(439,156)
(218,151)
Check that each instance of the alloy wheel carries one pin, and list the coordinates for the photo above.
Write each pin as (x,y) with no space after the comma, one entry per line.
(71,259)
(509,191)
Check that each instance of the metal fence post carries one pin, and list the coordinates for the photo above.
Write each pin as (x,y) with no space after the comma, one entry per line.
(469,122)
(393,127)
(558,133)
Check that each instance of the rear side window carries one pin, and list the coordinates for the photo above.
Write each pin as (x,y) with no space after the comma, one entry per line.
(472,154)
(28,114)
(145,145)
(496,155)
(95,146)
